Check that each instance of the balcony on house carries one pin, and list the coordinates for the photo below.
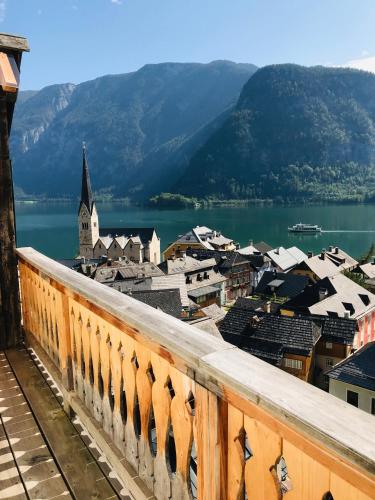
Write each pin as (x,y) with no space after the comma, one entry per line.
(178,413)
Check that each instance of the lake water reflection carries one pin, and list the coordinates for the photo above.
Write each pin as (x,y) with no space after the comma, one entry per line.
(52,228)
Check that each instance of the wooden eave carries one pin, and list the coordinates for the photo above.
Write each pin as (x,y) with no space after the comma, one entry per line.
(13,43)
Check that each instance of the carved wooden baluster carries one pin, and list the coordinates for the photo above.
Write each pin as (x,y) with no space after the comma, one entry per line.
(75,347)
(116,360)
(97,407)
(53,325)
(145,379)
(46,333)
(182,421)
(266,449)
(236,461)
(24,297)
(161,402)
(87,383)
(105,355)
(40,326)
(129,376)
(32,302)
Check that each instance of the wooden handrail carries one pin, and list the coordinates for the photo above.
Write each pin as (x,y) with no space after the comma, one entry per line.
(189,410)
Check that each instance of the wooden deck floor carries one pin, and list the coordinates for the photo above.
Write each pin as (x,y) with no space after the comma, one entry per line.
(42,454)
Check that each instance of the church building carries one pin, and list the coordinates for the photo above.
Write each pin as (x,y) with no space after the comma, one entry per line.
(137,244)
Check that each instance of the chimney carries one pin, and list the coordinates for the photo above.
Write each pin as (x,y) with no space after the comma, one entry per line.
(336,250)
(183,253)
(330,248)
(267,307)
(250,243)
(277,251)
(109,262)
(323,254)
(83,260)
(323,292)
(373,260)
(346,314)
(310,254)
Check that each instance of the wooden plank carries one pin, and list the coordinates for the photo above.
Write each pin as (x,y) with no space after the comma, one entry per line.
(27,469)
(13,42)
(59,432)
(115,457)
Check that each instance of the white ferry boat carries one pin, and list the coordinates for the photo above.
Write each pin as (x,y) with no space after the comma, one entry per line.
(305,228)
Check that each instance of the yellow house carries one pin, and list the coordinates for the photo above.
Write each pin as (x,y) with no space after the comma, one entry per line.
(199,237)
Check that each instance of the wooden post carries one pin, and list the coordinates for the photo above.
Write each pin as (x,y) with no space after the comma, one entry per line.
(11,48)
(10,323)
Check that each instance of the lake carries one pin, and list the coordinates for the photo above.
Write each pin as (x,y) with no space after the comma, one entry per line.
(52,228)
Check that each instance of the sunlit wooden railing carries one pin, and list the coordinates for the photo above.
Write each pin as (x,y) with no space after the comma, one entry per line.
(193,415)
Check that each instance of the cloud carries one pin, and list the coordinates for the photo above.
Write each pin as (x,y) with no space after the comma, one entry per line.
(364,63)
(117,2)
(3,6)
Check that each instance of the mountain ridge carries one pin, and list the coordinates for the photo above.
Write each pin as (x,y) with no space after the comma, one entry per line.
(296,133)
(124,120)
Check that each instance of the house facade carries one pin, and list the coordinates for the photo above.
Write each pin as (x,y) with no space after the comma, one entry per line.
(240,274)
(137,244)
(199,237)
(353,380)
(339,297)
(205,285)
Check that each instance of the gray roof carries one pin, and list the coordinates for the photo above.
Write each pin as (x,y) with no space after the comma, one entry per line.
(186,264)
(342,296)
(205,290)
(358,369)
(281,284)
(286,258)
(173,281)
(168,301)
(270,334)
(214,312)
(145,233)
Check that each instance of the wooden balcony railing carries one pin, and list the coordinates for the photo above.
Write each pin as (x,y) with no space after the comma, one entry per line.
(193,415)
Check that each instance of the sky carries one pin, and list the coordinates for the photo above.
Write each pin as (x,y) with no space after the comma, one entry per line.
(78,40)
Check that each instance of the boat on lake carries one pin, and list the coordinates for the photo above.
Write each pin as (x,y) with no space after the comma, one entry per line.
(305,228)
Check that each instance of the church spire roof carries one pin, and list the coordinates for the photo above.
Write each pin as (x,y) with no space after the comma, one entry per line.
(86,192)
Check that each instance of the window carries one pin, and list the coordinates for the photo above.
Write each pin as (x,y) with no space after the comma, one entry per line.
(329,362)
(85,225)
(94,224)
(372,406)
(328,345)
(352,398)
(293,363)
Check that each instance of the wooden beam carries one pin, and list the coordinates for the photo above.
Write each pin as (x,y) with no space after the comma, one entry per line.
(10,316)
(13,43)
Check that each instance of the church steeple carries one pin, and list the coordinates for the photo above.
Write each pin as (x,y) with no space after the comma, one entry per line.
(86,192)
(88,221)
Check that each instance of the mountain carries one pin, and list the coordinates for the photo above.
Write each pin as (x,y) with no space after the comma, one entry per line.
(140,128)
(295,133)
